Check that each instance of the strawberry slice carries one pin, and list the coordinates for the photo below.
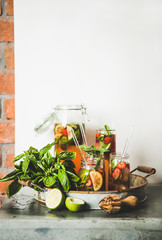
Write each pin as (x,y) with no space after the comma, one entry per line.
(116,173)
(121,165)
(107,140)
(64,132)
(97,135)
(101,171)
(89,183)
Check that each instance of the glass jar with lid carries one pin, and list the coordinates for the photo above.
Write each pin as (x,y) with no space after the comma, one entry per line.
(64,118)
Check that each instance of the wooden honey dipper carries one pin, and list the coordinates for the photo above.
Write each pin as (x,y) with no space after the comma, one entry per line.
(113,204)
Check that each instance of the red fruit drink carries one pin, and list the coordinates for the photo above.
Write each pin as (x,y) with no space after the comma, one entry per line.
(106,139)
(119,172)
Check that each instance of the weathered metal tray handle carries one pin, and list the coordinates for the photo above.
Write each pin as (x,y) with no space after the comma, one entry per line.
(144,169)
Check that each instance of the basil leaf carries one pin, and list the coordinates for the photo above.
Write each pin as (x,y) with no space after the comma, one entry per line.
(18,166)
(87,148)
(24,177)
(107,130)
(92,150)
(101,138)
(49,161)
(41,166)
(67,155)
(49,181)
(19,157)
(101,150)
(33,151)
(103,145)
(25,165)
(13,188)
(45,149)
(47,155)
(98,164)
(64,180)
(68,164)
(72,176)
(114,163)
(11,176)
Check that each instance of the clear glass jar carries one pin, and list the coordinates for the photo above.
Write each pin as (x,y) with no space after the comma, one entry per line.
(119,172)
(105,140)
(64,118)
(92,174)
(108,141)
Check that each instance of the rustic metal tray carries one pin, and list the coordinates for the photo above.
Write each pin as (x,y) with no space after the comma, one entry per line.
(137,188)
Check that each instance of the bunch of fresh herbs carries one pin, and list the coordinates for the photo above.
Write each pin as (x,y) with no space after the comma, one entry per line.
(43,169)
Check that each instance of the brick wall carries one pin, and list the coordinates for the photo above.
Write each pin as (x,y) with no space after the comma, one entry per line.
(7,90)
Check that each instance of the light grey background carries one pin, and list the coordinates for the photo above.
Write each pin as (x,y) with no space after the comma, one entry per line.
(106,54)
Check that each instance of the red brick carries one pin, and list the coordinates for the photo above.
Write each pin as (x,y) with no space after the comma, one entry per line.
(0,8)
(7,131)
(0,158)
(9,106)
(3,185)
(9,7)
(7,83)
(9,156)
(6,30)
(9,56)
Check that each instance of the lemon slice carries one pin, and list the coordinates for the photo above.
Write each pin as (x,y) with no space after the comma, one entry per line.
(55,199)
(74,204)
(58,129)
(69,132)
(97,180)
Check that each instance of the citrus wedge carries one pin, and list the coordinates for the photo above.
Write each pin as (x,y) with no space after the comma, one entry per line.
(97,180)
(55,199)
(69,132)
(74,204)
(58,129)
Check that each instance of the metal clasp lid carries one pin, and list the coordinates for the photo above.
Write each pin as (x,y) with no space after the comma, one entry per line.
(47,118)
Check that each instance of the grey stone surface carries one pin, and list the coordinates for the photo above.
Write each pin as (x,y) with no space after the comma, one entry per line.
(21,217)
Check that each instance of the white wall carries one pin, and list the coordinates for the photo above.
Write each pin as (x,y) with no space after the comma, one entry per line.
(106,54)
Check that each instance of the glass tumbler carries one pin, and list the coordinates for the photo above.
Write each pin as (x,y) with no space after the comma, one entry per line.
(119,172)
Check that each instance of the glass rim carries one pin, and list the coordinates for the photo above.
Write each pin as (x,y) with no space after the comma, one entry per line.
(119,154)
(103,130)
(68,107)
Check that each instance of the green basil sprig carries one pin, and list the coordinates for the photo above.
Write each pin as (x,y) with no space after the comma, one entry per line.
(92,150)
(43,169)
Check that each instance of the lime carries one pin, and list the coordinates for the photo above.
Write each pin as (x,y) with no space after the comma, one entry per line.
(74,204)
(97,180)
(55,199)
